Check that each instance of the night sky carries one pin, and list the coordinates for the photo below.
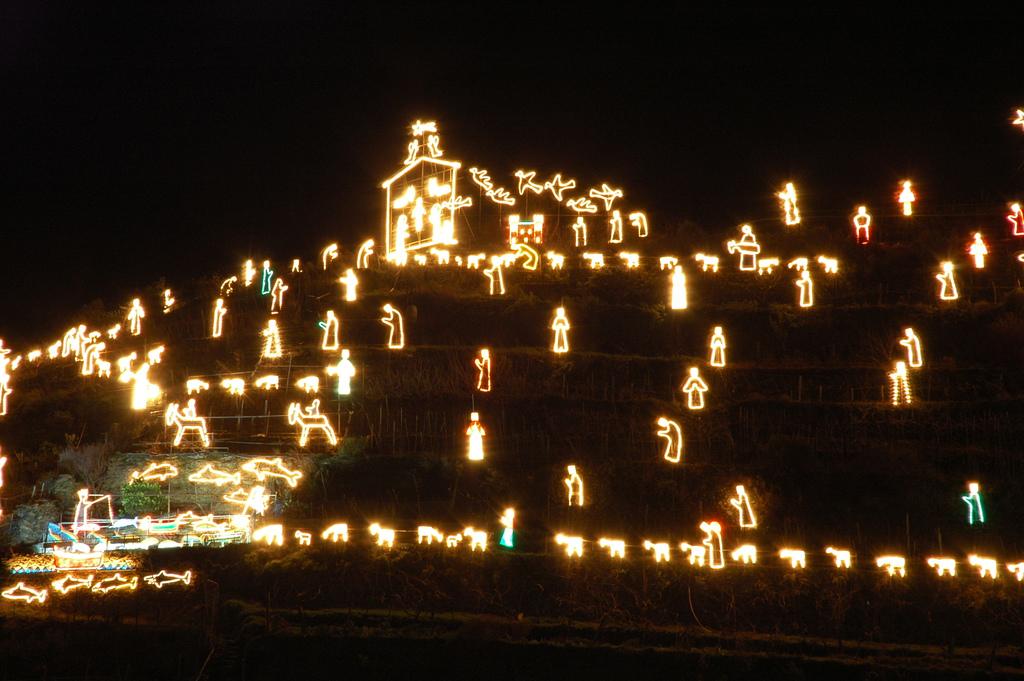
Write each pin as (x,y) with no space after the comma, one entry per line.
(140,143)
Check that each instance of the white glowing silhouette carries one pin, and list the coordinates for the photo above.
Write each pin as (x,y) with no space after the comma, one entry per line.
(717,347)
(947,282)
(987,567)
(579,232)
(978,250)
(556,185)
(483,367)
(475,434)
(673,435)
(907,198)
(746,518)
(345,370)
(271,340)
(556,261)
(615,228)
(219,310)
(186,421)
(428,535)
(631,260)
(799,264)
(862,225)
(707,262)
(581,205)
(143,391)
(678,289)
(694,388)
(912,343)
(841,557)
(351,283)
(560,327)
(806,286)
(695,555)
(1016,219)
(639,220)
(594,260)
(396,328)
(135,315)
(310,419)
(522,231)
(363,254)
(573,545)
(766,265)
(747,247)
(661,550)
(829,265)
(943,566)
(267,382)
(745,553)
(308,384)
(899,385)
(616,547)
(712,542)
(495,278)
(335,533)
(269,535)
(789,204)
(893,565)
(574,486)
(796,557)
(526,182)
(277,295)
(272,468)
(328,254)
(168,300)
(329,340)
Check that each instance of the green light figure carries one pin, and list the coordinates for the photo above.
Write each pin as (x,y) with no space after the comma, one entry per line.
(508,535)
(268,275)
(973,501)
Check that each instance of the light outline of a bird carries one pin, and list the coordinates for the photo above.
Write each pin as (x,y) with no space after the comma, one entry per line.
(607,194)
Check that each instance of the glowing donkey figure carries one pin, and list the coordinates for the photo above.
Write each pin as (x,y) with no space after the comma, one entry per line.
(186,420)
(309,420)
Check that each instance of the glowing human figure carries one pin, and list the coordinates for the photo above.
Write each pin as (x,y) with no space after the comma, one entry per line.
(143,392)
(494,275)
(363,254)
(639,220)
(508,534)
(907,198)
(574,485)
(248,273)
(900,385)
(712,542)
(694,388)
(330,326)
(277,295)
(345,370)
(350,282)
(1016,219)
(560,326)
(947,281)
(5,380)
(789,204)
(266,279)
(3,462)
(475,433)
(862,225)
(1019,120)
(747,247)
(615,228)
(83,519)
(747,520)
(483,367)
(678,297)
(975,511)
(913,345)
(978,250)
(219,310)
(579,231)
(168,300)
(327,254)
(396,329)
(806,286)
(135,315)
(271,340)
(673,436)
(717,347)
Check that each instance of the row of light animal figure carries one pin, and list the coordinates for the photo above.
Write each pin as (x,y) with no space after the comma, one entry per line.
(95,584)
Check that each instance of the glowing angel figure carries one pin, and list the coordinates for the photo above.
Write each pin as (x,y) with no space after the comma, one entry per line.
(978,250)
(271,340)
(806,286)
(168,300)
(694,388)
(1016,219)
(266,279)
(350,282)
(483,367)
(639,220)
(508,533)
(678,298)
(947,282)
(186,420)
(907,198)
(277,295)
(310,419)
(862,225)
(579,232)
(495,276)
(526,182)
(219,310)
(717,347)
(712,542)
(673,436)
(135,315)
(330,326)
(789,204)
(476,434)
(899,382)
(912,343)
(607,194)
(396,329)
(574,486)
(560,327)
(615,228)
(975,511)
(747,247)
(345,370)
(363,254)
(747,520)
(143,391)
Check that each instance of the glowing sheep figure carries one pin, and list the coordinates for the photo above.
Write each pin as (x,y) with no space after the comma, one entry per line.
(308,384)
(425,534)
(695,555)
(268,382)
(616,547)
(477,539)
(747,520)
(234,386)
(673,435)
(1017,569)
(978,250)
(662,551)
(912,343)
(269,535)
(475,433)
(345,370)
(678,298)
(907,198)
(987,567)
(712,542)
(899,383)
(747,247)
(556,261)
(186,421)
(473,261)
(573,545)
(156,355)
(385,536)
(943,566)
(668,262)
(335,533)
(707,262)
(1016,219)
(947,282)
(766,266)
(560,327)
(841,557)
(310,419)
(862,225)
(630,260)
(745,553)
(574,486)
(893,565)
(797,558)
(717,347)
(694,388)
(453,540)
(806,286)
(396,328)
(420,259)
(304,538)
(829,265)
(442,255)
(594,260)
